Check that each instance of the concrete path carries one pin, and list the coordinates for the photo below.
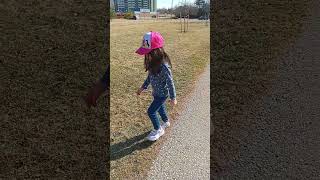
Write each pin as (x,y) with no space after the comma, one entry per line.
(283,138)
(186,153)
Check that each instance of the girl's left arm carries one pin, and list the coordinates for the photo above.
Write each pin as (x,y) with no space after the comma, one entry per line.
(106,79)
(146,82)
(170,82)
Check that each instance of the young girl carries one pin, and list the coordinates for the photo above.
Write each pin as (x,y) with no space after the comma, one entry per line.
(157,63)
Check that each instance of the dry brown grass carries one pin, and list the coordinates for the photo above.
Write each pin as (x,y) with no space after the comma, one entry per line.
(248,36)
(129,123)
(51,52)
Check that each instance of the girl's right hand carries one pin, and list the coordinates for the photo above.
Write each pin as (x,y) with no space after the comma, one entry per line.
(139,91)
(93,94)
(173,102)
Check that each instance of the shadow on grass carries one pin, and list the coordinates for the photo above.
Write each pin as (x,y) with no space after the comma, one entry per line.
(123,149)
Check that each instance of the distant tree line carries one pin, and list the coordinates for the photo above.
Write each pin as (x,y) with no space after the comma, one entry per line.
(127,15)
(195,10)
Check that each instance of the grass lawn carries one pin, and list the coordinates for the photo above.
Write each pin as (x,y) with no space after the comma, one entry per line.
(51,53)
(189,53)
(248,38)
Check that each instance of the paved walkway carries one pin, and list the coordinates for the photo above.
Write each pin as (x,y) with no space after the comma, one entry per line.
(186,153)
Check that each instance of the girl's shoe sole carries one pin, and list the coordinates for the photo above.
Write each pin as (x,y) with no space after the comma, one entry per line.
(155,139)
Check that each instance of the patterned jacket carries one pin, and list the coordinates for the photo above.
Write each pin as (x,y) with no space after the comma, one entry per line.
(162,83)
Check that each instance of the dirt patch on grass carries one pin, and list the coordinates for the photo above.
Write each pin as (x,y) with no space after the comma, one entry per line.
(51,53)
(129,122)
(247,38)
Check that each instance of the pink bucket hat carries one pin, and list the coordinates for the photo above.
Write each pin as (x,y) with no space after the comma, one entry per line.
(151,40)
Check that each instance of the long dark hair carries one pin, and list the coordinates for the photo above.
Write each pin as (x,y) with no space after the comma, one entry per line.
(158,57)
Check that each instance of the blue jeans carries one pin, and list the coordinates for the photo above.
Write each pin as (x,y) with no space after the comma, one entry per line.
(158,106)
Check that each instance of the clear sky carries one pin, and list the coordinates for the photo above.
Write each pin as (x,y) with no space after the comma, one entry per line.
(167,3)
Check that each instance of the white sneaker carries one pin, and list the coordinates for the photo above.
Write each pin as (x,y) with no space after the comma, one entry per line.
(155,134)
(165,125)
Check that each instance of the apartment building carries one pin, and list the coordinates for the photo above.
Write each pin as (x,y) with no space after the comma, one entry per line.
(134,5)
